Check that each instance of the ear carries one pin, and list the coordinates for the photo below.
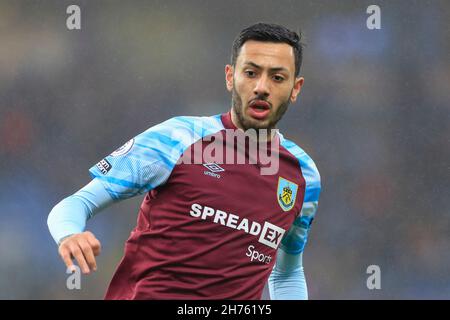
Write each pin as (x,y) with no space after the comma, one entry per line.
(297,88)
(229,77)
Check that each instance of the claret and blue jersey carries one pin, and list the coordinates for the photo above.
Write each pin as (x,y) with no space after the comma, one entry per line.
(205,229)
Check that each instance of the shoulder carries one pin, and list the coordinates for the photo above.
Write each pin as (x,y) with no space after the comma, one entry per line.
(308,168)
(195,124)
(184,129)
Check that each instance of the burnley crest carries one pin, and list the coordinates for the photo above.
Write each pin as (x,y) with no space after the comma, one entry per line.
(286,193)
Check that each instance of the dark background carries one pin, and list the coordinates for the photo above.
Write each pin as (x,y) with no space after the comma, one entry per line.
(374,114)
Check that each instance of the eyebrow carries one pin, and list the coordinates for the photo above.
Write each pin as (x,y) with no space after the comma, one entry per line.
(260,67)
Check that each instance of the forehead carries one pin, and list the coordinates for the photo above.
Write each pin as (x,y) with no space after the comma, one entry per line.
(267,54)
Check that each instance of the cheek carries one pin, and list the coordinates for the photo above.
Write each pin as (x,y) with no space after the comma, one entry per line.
(281,97)
(241,88)
(239,83)
(287,94)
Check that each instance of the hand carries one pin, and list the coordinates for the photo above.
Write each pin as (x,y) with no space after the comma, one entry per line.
(84,247)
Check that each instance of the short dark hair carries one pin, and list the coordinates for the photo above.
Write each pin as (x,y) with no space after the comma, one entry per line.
(270,33)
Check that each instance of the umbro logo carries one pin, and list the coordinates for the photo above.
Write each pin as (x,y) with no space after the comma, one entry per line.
(213,169)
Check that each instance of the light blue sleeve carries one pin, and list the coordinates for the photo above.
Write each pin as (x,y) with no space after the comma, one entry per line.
(287,279)
(140,165)
(70,215)
(146,161)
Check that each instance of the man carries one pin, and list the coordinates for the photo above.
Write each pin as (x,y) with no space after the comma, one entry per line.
(209,230)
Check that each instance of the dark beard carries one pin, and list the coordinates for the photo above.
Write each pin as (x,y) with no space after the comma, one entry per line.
(246,124)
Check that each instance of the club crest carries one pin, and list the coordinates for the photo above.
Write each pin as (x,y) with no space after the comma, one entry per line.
(286,193)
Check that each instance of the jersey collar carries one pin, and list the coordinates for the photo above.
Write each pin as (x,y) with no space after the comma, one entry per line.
(226,121)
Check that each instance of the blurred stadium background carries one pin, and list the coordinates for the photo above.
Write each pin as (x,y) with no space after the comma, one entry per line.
(374,114)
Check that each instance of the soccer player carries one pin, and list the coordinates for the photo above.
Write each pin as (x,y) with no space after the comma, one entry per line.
(209,229)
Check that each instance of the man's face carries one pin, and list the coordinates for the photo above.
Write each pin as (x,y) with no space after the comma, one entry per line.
(262,84)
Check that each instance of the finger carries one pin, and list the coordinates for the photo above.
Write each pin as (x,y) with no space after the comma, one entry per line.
(78,255)
(95,244)
(88,254)
(65,255)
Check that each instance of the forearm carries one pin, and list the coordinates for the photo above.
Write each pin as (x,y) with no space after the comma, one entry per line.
(288,286)
(70,215)
(287,280)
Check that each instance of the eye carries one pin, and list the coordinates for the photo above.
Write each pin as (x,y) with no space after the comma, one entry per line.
(250,73)
(278,78)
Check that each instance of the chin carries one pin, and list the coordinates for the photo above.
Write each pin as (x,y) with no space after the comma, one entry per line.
(256,124)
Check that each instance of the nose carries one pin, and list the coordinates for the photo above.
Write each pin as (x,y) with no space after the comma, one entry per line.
(262,87)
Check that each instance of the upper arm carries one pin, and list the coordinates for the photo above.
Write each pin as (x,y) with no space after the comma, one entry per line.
(290,253)
(295,239)
(287,280)
(146,161)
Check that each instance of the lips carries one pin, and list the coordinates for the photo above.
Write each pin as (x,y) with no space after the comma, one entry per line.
(259,109)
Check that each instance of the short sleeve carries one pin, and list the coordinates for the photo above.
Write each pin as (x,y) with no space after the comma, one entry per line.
(146,161)
(295,239)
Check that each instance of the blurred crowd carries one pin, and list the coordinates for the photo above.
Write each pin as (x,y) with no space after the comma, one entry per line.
(374,114)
